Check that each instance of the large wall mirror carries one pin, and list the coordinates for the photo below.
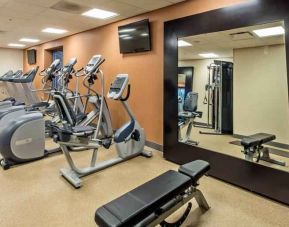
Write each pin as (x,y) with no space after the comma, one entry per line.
(226,94)
(238,92)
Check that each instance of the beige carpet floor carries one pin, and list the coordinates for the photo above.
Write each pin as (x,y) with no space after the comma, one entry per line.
(36,195)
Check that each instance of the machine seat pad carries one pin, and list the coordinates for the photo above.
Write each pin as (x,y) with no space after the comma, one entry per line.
(134,206)
(257,139)
(17,103)
(187,114)
(195,169)
(88,130)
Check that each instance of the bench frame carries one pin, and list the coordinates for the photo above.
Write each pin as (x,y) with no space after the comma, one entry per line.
(172,206)
(260,153)
(255,151)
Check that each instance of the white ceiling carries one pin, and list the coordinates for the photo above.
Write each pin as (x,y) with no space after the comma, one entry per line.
(222,44)
(26,18)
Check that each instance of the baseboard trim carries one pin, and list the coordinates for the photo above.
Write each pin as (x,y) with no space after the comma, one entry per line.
(154,145)
(274,144)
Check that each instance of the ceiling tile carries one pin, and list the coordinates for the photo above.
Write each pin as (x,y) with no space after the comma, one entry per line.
(20,8)
(20,18)
(222,44)
(175,1)
(121,8)
(42,3)
(147,4)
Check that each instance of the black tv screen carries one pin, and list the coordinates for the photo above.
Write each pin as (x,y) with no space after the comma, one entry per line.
(134,37)
(31,56)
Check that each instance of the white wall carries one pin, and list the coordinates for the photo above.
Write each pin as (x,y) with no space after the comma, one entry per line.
(10,59)
(200,79)
(261,92)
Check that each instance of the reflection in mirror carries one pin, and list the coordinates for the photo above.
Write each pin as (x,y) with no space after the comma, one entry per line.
(233,93)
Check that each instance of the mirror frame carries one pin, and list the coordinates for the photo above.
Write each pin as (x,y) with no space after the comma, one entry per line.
(269,182)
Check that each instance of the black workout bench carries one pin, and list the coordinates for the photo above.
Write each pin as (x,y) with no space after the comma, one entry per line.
(151,203)
(254,149)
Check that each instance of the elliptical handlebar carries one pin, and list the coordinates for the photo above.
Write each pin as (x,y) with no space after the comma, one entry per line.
(41,72)
(78,73)
(127,94)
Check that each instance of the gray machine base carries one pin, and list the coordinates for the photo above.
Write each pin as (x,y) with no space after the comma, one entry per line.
(172,206)
(73,176)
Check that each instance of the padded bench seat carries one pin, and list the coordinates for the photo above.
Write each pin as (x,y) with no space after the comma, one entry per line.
(134,206)
(257,139)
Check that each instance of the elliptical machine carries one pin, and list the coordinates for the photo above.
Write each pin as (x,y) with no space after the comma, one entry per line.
(23,133)
(22,139)
(129,139)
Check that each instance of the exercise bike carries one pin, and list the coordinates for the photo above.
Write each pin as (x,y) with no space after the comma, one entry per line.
(129,139)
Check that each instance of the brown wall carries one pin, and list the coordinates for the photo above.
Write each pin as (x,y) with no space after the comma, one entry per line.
(145,69)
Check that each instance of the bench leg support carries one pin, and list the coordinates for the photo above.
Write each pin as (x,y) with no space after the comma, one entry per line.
(266,157)
(181,219)
(201,200)
(174,205)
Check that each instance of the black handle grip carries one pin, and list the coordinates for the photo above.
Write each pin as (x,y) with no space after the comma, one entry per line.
(127,94)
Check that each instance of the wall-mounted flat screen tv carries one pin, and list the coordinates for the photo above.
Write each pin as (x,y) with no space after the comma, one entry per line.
(135,37)
(31,54)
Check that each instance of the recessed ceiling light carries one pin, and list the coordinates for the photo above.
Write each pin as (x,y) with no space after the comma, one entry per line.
(127,30)
(266,32)
(16,45)
(54,30)
(182,43)
(144,34)
(99,14)
(209,55)
(29,40)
